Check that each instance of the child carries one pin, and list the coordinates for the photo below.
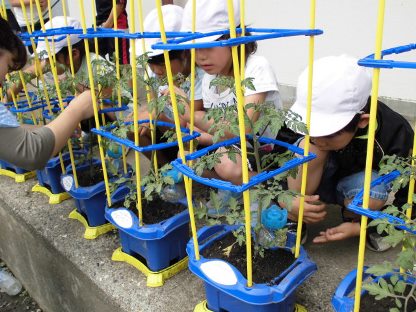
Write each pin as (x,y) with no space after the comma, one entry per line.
(32,148)
(212,15)
(339,127)
(105,18)
(180,64)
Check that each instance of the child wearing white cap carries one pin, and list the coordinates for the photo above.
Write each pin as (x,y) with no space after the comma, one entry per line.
(180,63)
(338,131)
(60,48)
(212,15)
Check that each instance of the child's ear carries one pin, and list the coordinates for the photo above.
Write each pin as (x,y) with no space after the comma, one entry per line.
(364,120)
(75,54)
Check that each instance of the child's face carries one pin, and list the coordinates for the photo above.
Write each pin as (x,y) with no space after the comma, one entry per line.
(160,69)
(333,142)
(6,62)
(215,61)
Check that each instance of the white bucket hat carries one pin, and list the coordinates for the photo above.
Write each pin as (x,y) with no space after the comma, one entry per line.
(58,22)
(211,15)
(172,19)
(340,90)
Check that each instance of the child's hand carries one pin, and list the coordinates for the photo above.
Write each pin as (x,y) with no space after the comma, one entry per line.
(313,211)
(183,99)
(340,232)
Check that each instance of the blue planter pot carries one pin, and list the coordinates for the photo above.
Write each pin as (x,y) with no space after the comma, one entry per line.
(160,244)
(8,166)
(343,299)
(226,288)
(90,201)
(50,176)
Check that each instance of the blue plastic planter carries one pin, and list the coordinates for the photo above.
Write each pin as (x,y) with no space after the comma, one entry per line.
(343,299)
(8,166)
(90,201)
(50,176)
(226,288)
(160,244)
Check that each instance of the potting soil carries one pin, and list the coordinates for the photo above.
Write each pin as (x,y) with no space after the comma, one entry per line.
(90,176)
(369,303)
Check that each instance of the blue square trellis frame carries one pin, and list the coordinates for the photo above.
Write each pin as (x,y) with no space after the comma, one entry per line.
(356,205)
(257,179)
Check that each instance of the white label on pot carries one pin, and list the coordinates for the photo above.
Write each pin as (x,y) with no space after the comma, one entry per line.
(122,218)
(220,272)
(67,182)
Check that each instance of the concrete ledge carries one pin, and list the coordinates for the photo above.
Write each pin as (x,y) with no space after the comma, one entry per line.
(63,271)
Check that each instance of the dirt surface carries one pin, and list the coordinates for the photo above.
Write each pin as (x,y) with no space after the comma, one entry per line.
(91,177)
(368,303)
(19,303)
(265,269)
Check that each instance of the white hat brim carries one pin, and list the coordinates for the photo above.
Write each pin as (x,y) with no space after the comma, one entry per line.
(323,124)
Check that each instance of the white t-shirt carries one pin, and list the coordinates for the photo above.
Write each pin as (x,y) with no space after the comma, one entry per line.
(265,80)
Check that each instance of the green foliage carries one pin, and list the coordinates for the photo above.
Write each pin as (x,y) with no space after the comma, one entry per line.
(225,123)
(398,285)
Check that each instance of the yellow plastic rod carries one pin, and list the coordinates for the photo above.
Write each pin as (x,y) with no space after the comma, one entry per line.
(94,102)
(177,126)
(148,96)
(135,111)
(29,101)
(58,91)
(242,128)
(68,40)
(117,60)
(369,159)
(308,125)
(243,33)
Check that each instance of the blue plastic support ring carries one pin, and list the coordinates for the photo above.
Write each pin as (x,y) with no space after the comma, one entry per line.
(267,33)
(257,179)
(104,132)
(357,203)
(369,60)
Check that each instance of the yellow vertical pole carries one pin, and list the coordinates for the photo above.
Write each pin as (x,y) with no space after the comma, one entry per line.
(177,126)
(58,91)
(4,11)
(308,123)
(94,23)
(117,60)
(68,40)
(193,76)
(243,33)
(151,125)
(132,27)
(369,159)
(29,101)
(94,102)
(242,128)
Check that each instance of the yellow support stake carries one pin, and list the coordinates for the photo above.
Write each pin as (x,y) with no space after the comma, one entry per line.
(4,11)
(240,108)
(29,101)
(369,159)
(193,61)
(308,125)
(243,33)
(117,60)
(135,112)
(177,126)
(94,102)
(148,97)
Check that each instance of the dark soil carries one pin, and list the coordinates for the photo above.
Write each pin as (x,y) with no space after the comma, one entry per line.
(369,303)
(90,176)
(19,303)
(265,269)
(155,211)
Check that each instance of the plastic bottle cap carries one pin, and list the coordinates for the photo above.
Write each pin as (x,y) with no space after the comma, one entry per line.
(274,218)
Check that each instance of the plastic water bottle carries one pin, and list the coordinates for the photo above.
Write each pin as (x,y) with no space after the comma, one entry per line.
(273,218)
(175,192)
(9,284)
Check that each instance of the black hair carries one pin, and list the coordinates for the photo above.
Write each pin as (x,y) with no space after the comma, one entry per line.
(173,55)
(250,47)
(12,43)
(77,46)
